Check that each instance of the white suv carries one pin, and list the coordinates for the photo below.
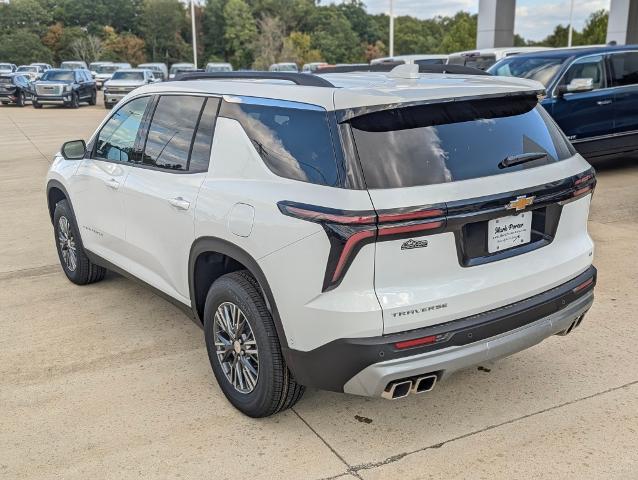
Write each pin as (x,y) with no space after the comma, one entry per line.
(365,233)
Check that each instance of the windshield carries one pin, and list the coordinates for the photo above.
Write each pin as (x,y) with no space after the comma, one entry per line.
(182,68)
(106,69)
(27,69)
(535,68)
(482,62)
(71,65)
(5,66)
(442,143)
(218,68)
(61,75)
(128,76)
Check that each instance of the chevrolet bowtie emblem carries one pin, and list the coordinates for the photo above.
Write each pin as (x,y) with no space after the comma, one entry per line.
(520,203)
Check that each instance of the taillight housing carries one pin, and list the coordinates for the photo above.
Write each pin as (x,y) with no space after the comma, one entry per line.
(348,231)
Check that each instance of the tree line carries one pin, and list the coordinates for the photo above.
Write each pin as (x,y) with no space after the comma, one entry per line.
(247,33)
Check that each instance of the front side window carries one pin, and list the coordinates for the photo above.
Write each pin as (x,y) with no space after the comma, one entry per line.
(440,143)
(624,69)
(293,139)
(588,67)
(171,132)
(116,140)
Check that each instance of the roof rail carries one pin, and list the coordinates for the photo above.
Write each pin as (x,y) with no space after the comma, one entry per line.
(303,79)
(389,66)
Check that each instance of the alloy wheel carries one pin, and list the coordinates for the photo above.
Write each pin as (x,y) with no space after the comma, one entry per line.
(66,240)
(236,347)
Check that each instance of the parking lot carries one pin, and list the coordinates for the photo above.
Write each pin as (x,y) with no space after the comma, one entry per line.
(111,381)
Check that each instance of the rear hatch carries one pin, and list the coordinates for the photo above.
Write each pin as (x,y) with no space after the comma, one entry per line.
(480,203)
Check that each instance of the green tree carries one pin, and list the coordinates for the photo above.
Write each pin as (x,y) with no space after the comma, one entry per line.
(595,30)
(214,25)
(298,49)
(162,22)
(459,33)
(23,46)
(240,33)
(28,15)
(269,43)
(334,37)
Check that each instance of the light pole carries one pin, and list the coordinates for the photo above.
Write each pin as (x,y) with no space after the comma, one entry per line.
(571,29)
(194,33)
(392,28)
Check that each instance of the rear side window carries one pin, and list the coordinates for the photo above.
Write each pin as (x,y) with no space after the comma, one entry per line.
(625,69)
(442,143)
(293,139)
(200,153)
(171,132)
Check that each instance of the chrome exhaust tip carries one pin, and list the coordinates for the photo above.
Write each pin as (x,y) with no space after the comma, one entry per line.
(397,389)
(424,384)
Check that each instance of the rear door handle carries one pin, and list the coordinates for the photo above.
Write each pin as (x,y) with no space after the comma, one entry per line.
(604,102)
(112,183)
(179,203)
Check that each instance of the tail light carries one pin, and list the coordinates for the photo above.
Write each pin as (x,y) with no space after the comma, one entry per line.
(349,231)
(584,185)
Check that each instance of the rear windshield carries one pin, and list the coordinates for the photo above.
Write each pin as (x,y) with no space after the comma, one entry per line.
(535,68)
(432,144)
(106,68)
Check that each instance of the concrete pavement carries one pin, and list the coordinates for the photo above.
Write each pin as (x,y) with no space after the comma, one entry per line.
(110,381)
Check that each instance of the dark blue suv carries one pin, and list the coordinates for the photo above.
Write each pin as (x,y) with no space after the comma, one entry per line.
(592,93)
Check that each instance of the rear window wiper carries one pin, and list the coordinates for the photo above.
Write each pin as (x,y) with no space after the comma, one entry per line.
(512,160)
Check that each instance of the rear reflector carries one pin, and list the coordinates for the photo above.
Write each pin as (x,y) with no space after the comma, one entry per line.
(583,285)
(582,191)
(415,342)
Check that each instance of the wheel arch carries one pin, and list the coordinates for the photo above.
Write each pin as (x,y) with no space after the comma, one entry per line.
(55,193)
(212,257)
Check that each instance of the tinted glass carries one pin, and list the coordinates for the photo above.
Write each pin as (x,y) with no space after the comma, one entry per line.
(625,68)
(430,61)
(200,153)
(477,61)
(60,75)
(117,138)
(588,67)
(107,69)
(171,132)
(452,142)
(535,68)
(119,75)
(293,139)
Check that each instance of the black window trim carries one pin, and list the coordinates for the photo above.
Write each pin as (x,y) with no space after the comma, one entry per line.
(142,132)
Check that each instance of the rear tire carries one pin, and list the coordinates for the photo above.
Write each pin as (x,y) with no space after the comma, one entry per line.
(93,99)
(76,265)
(253,347)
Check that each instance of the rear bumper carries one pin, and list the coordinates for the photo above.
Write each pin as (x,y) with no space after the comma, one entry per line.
(365,366)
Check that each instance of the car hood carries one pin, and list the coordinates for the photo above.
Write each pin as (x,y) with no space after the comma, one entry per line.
(124,83)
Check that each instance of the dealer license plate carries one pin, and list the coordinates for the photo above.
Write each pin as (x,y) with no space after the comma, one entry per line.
(508,232)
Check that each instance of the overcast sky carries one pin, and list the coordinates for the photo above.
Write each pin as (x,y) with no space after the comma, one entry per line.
(535,19)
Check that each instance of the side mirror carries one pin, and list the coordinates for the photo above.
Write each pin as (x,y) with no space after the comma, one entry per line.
(577,85)
(74,150)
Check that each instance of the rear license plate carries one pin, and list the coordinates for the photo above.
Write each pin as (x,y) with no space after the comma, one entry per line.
(508,232)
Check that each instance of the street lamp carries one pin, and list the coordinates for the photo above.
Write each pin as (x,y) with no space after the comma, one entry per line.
(571,29)
(194,33)
(392,28)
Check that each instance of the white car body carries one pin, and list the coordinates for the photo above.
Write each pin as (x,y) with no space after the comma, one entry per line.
(218,67)
(179,66)
(73,65)
(154,224)
(34,72)
(284,67)
(156,67)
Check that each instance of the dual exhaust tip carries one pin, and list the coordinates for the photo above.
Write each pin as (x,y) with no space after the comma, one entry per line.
(402,388)
(572,326)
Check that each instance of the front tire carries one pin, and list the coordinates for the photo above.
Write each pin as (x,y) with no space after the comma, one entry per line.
(243,348)
(20,100)
(93,99)
(35,103)
(76,265)
(75,101)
